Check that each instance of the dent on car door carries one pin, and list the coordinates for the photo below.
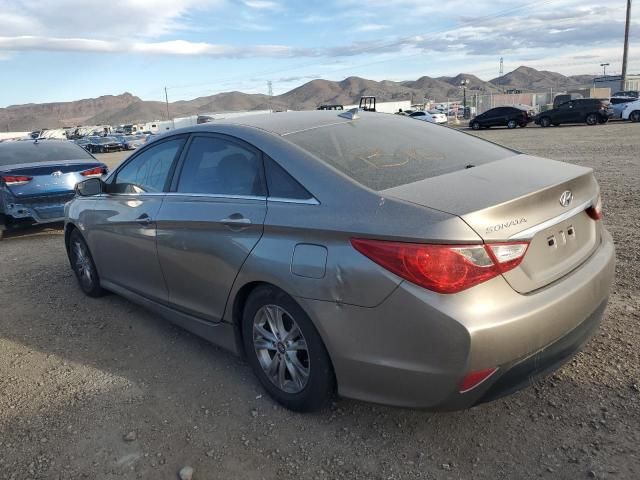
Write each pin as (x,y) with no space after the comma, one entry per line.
(122,234)
(210,222)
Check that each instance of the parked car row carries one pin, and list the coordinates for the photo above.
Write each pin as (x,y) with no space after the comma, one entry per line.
(592,111)
(112,143)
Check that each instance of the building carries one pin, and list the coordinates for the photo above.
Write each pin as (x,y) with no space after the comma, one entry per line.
(613,82)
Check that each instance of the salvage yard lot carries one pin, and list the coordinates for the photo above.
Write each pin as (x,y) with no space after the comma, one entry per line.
(78,375)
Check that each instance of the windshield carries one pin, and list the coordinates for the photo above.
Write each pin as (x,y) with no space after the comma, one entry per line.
(12,153)
(385,151)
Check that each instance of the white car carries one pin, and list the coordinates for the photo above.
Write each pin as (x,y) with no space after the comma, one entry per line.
(632,111)
(438,117)
(422,115)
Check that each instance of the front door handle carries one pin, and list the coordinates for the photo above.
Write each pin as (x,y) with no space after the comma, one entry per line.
(144,220)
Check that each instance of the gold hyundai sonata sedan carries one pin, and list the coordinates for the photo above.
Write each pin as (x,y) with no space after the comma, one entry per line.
(356,253)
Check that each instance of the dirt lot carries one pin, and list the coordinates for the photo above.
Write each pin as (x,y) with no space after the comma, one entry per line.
(100,389)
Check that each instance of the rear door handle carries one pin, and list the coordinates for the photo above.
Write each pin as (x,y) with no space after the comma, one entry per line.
(235,221)
(144,220)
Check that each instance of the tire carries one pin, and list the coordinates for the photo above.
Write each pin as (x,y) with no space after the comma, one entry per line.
(592,119)
(635,116)
(545,122)
(83,266)
(302,378)
(475,125)
(511,124)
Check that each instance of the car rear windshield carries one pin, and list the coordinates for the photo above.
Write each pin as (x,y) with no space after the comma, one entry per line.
(382,151)
(12,153)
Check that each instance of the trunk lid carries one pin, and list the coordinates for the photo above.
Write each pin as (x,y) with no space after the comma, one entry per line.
(47,178)
(518,198)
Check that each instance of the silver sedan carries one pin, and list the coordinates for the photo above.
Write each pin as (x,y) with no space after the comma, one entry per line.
(355,253)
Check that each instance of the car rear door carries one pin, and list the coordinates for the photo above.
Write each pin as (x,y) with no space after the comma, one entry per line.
(493,117)
(210,221)
(121,228)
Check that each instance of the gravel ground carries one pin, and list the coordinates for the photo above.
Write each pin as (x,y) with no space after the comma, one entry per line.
(100,389)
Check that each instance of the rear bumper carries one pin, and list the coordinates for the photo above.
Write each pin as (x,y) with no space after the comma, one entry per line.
(41,209)
(524,372)
(414,349)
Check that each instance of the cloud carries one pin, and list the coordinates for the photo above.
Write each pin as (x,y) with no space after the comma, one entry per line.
(134,18)
(262,4)
(171,47)
(370,27)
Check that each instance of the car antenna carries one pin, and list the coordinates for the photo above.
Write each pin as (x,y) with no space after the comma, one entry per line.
(351,114)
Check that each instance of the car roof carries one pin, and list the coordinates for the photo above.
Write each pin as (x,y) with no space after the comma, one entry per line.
(284,123)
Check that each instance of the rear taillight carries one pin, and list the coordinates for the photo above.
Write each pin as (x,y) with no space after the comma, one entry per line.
(595,210)
(443,268)
(16,179)
(473,379)
(94,172)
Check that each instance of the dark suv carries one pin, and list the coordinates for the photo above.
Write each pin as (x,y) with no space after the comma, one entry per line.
(509,117)
(591,111)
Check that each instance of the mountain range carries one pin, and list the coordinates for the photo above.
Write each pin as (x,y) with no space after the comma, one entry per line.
(127,108)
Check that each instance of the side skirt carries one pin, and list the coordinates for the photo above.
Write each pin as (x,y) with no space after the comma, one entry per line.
(221,334)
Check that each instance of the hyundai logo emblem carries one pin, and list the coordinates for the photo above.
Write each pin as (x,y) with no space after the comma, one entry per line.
(565,198)
(57,173)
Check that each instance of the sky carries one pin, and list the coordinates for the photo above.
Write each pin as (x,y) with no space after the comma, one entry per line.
(66,50)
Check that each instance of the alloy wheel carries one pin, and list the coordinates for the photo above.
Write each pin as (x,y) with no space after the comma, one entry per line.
(281,348)
(82,265)
(635,116)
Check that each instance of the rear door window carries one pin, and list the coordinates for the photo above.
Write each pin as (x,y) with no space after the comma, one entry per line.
(219,166)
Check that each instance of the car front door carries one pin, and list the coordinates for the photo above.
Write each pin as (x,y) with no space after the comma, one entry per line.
(210,221)
(122,226)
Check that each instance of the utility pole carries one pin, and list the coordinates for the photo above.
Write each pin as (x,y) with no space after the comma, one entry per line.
(501,73)
(270,93)
(625,54)
(166,100)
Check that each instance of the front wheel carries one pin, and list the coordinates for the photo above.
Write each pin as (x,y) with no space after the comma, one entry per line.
(635,116)
(83,266)
(512,124)
(475,125)
(592,119)
(545,122)
(285,351)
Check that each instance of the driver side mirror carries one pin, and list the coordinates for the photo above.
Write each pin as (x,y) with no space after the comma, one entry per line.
(90,187)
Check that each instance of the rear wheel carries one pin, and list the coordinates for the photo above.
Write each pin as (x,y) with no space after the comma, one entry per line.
(635,116)
(512,124)
(545,122)
(83,266)
(285,351)
(475,125)
(592,119)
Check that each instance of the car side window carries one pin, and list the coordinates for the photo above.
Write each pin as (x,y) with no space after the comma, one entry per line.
(214,165)
(148,171)
(282,185)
